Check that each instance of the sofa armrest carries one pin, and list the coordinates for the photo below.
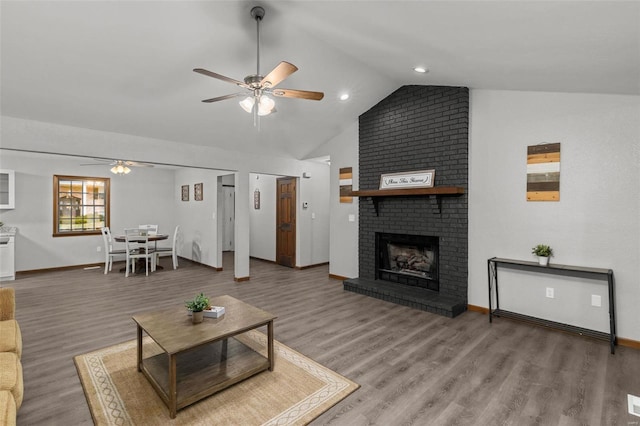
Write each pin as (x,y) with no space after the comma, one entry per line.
(7,303)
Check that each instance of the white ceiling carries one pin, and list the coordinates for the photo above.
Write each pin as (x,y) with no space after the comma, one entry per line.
(126,66)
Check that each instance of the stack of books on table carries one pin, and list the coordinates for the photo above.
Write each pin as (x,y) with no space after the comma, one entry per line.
(214,312)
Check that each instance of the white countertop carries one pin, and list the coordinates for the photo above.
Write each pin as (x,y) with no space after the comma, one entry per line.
(8,230)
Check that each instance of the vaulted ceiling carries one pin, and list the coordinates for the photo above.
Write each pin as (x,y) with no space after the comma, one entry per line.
(126,66)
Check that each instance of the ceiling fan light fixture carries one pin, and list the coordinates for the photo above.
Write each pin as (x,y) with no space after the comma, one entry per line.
(265,105)
(120,170)
(247,104)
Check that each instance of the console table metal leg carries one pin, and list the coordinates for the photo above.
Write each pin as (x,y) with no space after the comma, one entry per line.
(489,282)
(612,311)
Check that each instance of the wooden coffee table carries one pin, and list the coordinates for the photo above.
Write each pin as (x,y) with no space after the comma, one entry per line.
(198,360)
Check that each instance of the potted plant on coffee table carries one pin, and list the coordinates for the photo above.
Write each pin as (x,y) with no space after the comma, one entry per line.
(197,306)
(544,252)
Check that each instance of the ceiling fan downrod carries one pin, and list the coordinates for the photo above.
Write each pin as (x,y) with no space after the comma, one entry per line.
(257,13)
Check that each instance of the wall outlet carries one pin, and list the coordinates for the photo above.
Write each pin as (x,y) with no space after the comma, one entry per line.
(98,249)
(550,292)
(352,218)
(596,300)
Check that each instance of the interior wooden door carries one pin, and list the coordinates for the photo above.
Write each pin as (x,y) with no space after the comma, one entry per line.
(286,222)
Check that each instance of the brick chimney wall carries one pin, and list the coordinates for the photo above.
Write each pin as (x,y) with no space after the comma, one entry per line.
(418,128)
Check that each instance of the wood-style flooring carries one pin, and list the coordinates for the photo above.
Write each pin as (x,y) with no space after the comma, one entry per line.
(414,368)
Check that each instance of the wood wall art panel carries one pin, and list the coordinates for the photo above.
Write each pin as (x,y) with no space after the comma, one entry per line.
(543,172)
(346,184)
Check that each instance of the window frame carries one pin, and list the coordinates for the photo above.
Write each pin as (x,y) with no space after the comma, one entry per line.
(56,204)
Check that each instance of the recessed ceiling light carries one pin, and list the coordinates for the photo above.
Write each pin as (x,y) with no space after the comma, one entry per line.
(344,96)
(421,70)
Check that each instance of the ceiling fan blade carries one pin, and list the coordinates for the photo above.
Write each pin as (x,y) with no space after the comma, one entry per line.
(300,94)
(136,164)
(279,73)
(219,77)
(222,98)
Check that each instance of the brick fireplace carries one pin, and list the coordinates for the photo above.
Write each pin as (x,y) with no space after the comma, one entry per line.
(416,128)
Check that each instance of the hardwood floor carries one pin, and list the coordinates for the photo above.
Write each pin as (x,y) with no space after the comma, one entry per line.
(414,368)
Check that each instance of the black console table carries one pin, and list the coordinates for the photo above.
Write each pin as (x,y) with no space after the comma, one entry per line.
(575,271)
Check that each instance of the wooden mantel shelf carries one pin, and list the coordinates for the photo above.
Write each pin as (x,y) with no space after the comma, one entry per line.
(438,192)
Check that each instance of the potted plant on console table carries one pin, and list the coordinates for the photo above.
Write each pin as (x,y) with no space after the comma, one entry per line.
(544,252)
(197,306)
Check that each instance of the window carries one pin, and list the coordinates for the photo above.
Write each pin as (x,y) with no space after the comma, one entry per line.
(80,205)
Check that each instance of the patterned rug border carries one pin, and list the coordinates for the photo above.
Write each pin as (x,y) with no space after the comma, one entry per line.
(335,386)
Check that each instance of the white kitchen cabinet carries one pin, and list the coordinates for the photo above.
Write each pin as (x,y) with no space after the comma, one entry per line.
(7,189)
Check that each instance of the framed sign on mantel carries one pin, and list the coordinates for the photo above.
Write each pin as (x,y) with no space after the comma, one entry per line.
(404,180)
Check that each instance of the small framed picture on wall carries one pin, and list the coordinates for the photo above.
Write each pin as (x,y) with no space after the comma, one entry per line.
(197,192)
(185,192)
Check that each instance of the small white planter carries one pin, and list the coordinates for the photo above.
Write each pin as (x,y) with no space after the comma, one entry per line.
(543,260)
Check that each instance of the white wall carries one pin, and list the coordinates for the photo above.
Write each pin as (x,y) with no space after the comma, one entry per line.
(596,221)
(137,198)
(263,220)
(313,223)
(198,220)
(23,134)
(343,151)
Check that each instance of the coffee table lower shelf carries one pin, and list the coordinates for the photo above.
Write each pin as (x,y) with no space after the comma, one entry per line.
(203,371)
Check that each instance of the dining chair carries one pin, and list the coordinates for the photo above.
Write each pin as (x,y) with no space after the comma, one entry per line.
(172,250)
(138,248)
(109,251)
(151,229)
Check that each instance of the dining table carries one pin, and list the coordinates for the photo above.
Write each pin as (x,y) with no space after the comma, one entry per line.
(140,263)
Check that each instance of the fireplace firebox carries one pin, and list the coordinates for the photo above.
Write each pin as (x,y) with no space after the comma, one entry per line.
(408,259)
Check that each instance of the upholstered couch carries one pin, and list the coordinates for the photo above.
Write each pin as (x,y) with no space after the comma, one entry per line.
(11,385)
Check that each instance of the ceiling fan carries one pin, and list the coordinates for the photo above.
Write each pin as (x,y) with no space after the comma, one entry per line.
(120,167)
(259,87)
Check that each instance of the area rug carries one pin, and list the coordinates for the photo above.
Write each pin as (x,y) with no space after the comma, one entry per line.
(296,392)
